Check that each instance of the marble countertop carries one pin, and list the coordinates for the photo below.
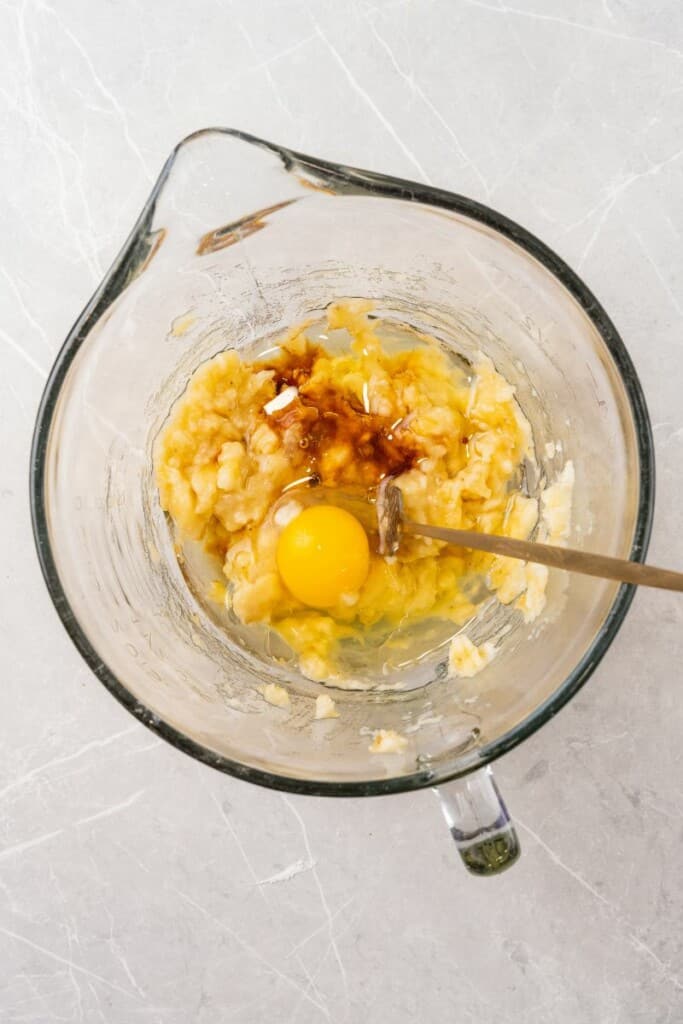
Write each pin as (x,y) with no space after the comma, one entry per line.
(138,885)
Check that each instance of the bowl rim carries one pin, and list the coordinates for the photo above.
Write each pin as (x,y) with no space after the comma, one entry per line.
(130,256)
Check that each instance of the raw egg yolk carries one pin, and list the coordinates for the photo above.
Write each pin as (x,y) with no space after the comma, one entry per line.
(322,554)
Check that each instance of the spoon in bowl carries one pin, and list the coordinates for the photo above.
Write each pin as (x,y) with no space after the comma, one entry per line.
(392,524)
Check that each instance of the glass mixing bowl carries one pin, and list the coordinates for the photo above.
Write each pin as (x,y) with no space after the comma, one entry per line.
(239,240)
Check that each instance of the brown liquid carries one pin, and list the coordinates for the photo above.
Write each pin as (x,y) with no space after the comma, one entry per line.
(338,441)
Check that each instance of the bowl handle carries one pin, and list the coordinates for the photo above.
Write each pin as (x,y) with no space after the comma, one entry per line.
(479,823)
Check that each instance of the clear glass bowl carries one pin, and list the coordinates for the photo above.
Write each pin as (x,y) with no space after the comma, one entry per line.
(239,240)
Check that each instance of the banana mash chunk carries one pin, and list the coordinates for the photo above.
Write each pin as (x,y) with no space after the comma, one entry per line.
(387,741)
(276,695)
(325,707)
(466,659)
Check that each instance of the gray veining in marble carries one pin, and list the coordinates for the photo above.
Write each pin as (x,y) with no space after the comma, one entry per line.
(137,885)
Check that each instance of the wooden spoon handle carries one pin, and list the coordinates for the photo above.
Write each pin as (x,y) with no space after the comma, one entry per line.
(557,558)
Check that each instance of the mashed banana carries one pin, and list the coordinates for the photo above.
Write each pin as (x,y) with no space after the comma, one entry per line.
(453,439)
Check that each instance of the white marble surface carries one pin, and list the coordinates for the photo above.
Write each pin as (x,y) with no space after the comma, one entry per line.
(137,885)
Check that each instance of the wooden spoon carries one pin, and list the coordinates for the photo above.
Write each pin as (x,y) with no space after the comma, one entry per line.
(392,524)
